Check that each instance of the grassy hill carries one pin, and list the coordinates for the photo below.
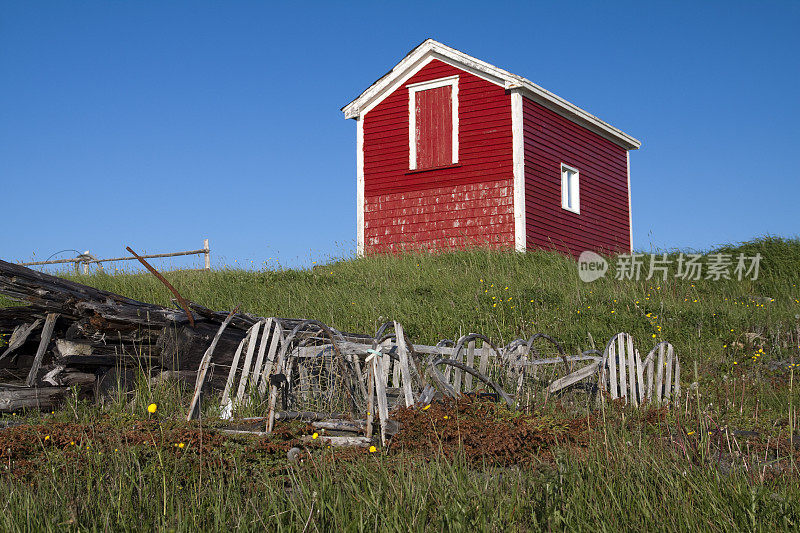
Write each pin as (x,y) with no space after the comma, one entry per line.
(507,295)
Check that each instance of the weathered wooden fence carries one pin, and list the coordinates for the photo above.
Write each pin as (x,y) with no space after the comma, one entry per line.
(84,260)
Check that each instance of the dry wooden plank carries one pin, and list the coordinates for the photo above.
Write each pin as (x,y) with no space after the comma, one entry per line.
(668,376)
(402,352)
(660,374)
(353,426)
(14,399)
(358,442)
(226,403)
(380,392)
(248,360)
(640,394)
(370,400)
(262,350)
(649,367)
(623,367)
(573,378)
(277,336)
(306,415)
(483,367)
(470,362)
(634,397)
(194,406)
(47,332)
(19,336)
(612,369)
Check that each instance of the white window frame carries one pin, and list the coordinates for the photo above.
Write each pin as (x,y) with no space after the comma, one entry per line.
(570,202)
(413,89)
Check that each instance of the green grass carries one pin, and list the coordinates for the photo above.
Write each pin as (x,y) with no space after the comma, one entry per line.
(637,470)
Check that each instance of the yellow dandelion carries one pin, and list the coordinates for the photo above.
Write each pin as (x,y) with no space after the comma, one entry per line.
(47,437)
(446,417)
(690,433)
(152,408)
(426,407)
(653,335)
(315,436)
(181,445)
(373,449)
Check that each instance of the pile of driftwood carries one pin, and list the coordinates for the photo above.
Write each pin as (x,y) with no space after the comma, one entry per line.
(279,369)
(70,334)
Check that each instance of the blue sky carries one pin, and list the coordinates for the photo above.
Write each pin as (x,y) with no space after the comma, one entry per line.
(156,124)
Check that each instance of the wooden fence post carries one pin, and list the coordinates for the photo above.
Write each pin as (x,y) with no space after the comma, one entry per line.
(207,254)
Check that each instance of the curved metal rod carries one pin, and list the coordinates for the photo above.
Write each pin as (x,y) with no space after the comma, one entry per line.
(469,370)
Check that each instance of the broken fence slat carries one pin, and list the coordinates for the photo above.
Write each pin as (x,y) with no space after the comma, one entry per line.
(623,367)
(611,359)
(471,363)
(277,336)
(632,371)
(202,370)
(226,400)
(660,374)
(47,332)
(262,350)
(668,377)
(248,360)
(19,336)
(573,378)
(402,350)
(380,391)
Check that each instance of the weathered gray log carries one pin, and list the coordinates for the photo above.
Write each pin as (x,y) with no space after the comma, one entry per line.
(306,415)
(22,398)
(359,442)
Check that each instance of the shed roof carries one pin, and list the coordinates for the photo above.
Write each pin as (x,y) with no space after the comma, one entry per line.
(431,49)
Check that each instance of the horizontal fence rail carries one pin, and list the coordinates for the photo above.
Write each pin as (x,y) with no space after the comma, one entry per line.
(87,259)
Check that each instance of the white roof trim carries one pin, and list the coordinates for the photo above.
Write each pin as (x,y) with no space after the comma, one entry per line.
(431,49)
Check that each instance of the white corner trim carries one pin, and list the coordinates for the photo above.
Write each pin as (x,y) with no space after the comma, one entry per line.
(413,89)
(576,190)
(360,187)
(518,155)
(630,213)
(431,49)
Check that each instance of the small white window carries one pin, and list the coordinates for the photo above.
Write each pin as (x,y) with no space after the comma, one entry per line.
(570,189)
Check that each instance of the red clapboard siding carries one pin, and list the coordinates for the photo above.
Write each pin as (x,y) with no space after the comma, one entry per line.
(603,223)
(434,122)
(467,204)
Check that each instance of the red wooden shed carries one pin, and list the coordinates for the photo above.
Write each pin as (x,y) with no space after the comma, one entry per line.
(453,152)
